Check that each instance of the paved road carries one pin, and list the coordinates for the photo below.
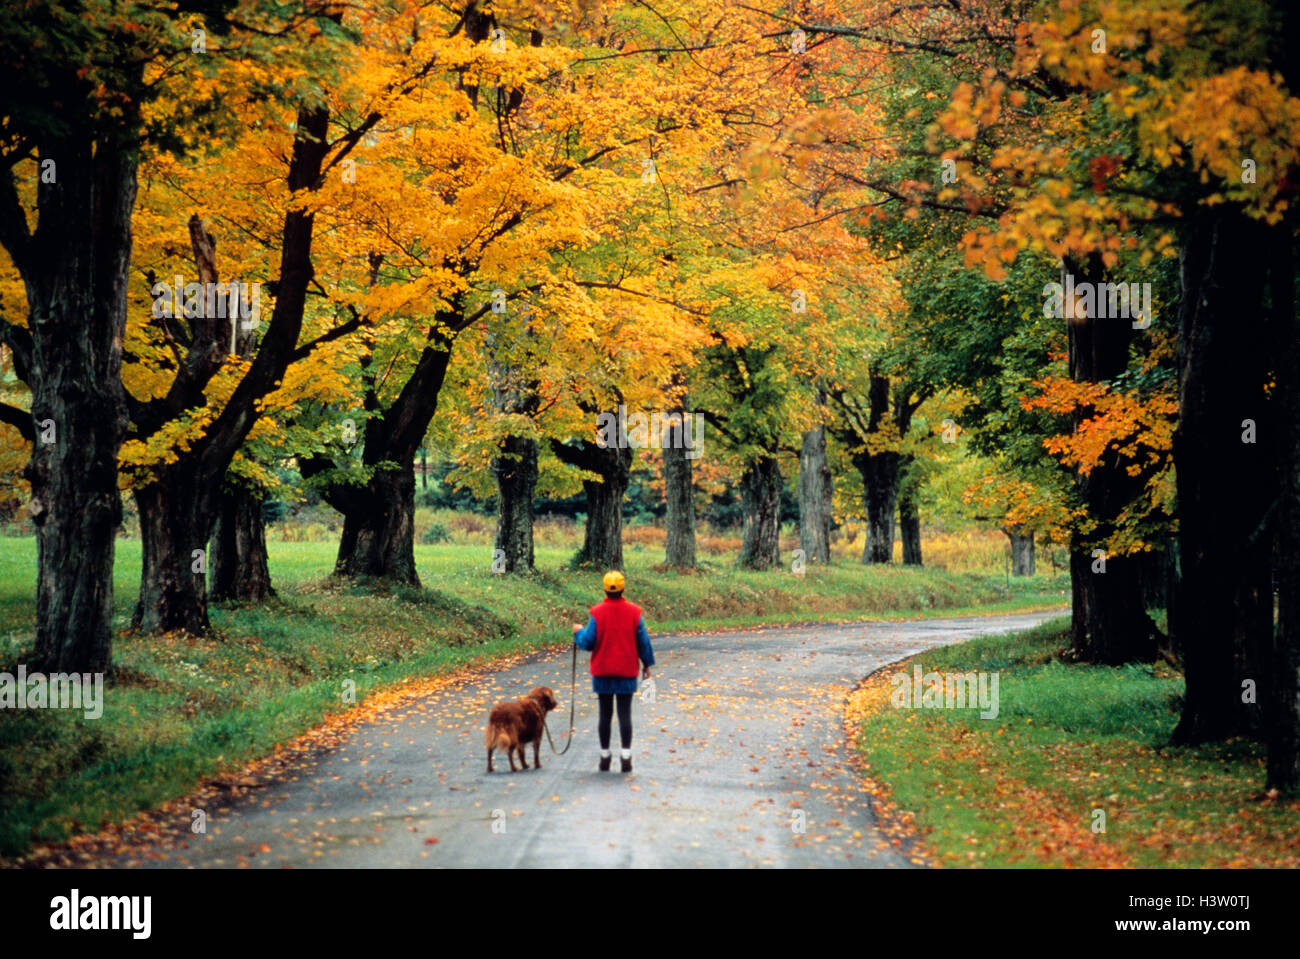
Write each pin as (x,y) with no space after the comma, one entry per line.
(744,732)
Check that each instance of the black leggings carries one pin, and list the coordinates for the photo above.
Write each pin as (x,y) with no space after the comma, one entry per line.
(624,718)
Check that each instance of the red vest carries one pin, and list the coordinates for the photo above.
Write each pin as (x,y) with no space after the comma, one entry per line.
(615,653)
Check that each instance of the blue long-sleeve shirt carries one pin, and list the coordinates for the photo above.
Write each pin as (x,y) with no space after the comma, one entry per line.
(586,639)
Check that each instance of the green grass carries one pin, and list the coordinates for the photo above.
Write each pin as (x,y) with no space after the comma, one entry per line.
(1021,789)
(181,710)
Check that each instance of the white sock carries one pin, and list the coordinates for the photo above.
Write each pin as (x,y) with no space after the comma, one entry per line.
(627,754)
(604,754)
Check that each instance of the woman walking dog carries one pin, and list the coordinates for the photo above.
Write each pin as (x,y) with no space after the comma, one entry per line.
(618,638)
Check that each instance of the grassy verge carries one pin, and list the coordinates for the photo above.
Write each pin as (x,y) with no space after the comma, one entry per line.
(181,710)
(1025,788)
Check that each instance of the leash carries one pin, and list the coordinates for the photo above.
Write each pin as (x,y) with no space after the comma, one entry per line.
(573,686)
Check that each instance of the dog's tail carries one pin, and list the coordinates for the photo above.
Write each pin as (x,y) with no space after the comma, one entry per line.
(496,738)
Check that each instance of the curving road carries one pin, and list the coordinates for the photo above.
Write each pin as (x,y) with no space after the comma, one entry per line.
(743,734)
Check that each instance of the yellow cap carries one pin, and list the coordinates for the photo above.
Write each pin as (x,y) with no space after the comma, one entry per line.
(614,581)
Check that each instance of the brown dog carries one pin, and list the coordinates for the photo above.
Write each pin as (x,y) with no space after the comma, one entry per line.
(512,726)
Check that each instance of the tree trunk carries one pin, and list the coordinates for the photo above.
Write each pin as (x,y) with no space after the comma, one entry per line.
(1154,570)
(178,501)
(1110,624)
(514,393)
(909,515)
(879,473)
(379,531)
(516,473)
(1224,485)
(238,566)
(1280,694)
(174,530)
(760,500)
(880,479)
(909,530)
(1171,645)
(1022,550)
(679,493)
(237,560)
(866,433)
(1107,605)
(1252,634)
(378,538)
(815,497)
(75,269)
(1281,657)
(909,518)
(602,545)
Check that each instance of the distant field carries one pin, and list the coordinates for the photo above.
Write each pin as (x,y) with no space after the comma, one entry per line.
(302,557)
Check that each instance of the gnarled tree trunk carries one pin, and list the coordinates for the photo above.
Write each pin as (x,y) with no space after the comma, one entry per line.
(74,269)
(179,499)
(175,525)
(237,561)
(379,531)
(378,538)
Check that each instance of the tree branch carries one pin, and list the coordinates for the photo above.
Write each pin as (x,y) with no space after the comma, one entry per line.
(21,420)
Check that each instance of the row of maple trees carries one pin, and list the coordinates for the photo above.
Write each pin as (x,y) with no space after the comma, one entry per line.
(827,228)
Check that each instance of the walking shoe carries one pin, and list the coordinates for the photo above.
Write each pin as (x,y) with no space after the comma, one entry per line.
(627,763)
(604,763)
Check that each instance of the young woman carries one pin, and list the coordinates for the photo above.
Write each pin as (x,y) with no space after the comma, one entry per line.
(618,639)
